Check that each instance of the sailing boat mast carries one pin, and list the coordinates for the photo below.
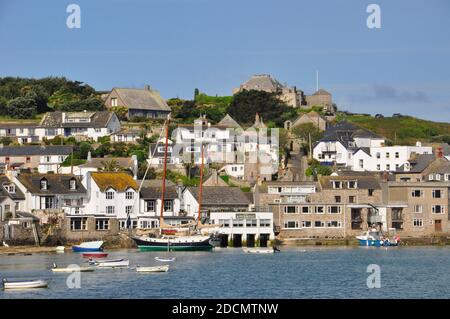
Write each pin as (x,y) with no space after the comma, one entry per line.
(161,218)
(200,193)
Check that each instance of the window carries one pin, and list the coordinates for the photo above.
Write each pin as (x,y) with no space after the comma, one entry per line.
(436,193)
(7,159)
(101,224)
(438,177)
(306,224)
(352,199)
(370,192)
(334,223)
(129,195)
(417,193)
(224,222)
(337,184)
(320,210)
(319,224)
(238,223)
(378,167)
(378,155)
(334,209)
(290,210)
(388,155)
(44,184)
(397,155)
(168,203)
(47,202)
(290,224)
(113,101)
(251,223)
(337,199)
(73,184)
(397,166)
(28,159)
(97,130)
(128,209)
(447,177)
(388,167)
(78,223)
(361,163)
(50,132)
(417,208)
(437,209)
(418,222)
(109,195)
(264,222)
(352,184)
(150,206)
(110,209)
(305,209)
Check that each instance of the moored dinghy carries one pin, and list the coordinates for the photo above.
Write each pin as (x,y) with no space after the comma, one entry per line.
(113,263)
(163,268)
(258,250)
(28,284)
(71,269)
(95,254)
(165,259)
(88,246)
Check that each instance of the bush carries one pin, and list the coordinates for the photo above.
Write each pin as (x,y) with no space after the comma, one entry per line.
(22,108)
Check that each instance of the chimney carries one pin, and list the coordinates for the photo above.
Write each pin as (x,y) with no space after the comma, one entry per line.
(89,157)
(439,152)
(418,144)
(385,176)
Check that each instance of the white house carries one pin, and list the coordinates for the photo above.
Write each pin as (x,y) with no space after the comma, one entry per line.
(113,194)
(386,158)
(78,124)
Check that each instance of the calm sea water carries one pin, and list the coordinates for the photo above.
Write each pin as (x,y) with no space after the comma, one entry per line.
(229,273)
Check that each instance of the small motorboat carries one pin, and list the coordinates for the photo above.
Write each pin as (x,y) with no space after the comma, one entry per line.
(163,268)
(88,246)
(113,263)
(258,250)
(376,239)
(165,259)
(29,284)
(95,254)
(71,269)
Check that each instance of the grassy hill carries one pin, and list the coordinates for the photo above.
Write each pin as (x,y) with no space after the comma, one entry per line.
(402,130)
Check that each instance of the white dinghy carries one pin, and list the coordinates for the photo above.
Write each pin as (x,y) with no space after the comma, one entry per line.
(163,268)
(71,269)
(258,250)
(165,259)
(113,263)
(29,284)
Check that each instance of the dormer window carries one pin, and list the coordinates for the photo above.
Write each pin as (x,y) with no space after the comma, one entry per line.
(44,184)
(113,101)
(337,184)
(73,184)
(352,184)
(10,189)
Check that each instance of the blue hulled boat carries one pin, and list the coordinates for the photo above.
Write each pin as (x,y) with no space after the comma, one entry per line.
(88,246)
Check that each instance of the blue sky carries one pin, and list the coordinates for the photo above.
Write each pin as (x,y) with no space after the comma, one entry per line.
(178,45)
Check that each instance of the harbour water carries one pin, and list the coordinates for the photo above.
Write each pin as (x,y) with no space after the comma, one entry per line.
(301,272)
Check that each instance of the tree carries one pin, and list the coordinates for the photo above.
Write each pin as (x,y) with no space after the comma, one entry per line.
(39,94)
(90,104)
(110,166)
(196,92)
(121,112)
(22,108)
(305,131)
(246,104)
(315,169)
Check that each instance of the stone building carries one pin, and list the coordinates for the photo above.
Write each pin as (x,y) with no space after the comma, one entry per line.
(320,98)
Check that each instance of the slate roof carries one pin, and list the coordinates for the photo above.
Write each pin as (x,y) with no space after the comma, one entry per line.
(228,121)
(31,150)
(262,82)
(441,168)
(18,195)
(346,132)
(58,184)
(97,119)
(363,182)
(19,124)
(117,180)
(155,192)
(142,99)
(220,196)
(418,164)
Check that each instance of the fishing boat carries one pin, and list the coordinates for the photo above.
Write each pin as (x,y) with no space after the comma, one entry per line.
(95,254)
(258,250)
(112,263)
(88,246)
(163,268)
(165,259)
(29,284)
(71,269)
(376,239)
(168,241)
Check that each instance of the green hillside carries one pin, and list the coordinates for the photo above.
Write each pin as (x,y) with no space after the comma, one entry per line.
(402,130)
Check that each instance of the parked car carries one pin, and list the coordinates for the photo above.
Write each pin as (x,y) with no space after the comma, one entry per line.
(397,115)
(379,116)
